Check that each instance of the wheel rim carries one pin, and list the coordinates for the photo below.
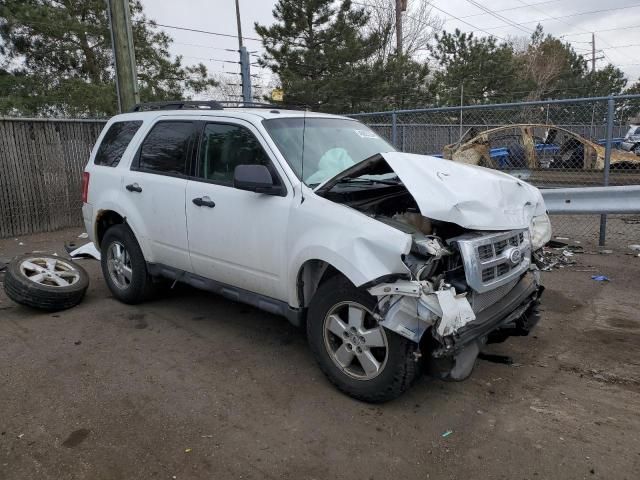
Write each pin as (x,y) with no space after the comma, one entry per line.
(52,272)
(119,265)
(354,341)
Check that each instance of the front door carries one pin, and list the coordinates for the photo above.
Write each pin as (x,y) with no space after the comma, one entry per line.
(236,237)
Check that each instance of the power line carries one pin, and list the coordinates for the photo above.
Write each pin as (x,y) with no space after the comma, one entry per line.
(511,8)
(199,31)
(467,23)
(499,17)
(571,15)
(601,31)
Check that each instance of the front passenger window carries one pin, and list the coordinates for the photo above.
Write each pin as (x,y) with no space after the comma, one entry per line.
(226,146)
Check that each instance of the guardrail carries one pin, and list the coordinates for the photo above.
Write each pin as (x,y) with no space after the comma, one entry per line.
(592,200)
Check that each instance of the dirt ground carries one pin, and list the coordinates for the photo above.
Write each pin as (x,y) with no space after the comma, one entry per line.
(193,386)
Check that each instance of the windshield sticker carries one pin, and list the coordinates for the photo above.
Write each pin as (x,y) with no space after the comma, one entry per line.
(366,134)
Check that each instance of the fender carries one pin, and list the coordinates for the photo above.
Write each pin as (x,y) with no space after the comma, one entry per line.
(360,247)
(111,200)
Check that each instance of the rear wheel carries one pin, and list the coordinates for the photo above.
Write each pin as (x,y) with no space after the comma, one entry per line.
(123,265)
(360,357)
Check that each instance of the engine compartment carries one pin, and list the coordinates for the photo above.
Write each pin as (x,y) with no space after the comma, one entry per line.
(431,257)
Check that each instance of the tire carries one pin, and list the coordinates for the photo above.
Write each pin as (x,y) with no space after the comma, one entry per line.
(38,281)
(136,285)
(398,366)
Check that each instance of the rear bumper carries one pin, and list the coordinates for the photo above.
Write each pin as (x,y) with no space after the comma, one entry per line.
(515,315)
(87,217)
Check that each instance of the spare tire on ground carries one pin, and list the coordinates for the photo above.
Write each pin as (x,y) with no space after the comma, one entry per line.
(45,282)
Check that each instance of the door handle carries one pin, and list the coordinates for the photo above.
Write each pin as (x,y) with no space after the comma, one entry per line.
(204,202)
(134,187)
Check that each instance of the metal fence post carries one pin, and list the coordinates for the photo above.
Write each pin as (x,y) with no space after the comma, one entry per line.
(394,129)
(607,162)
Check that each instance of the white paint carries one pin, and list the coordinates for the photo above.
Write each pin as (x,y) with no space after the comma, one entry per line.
(88,249)
(473,197)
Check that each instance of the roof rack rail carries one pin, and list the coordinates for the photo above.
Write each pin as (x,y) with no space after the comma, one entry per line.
(242,104)
(178,105)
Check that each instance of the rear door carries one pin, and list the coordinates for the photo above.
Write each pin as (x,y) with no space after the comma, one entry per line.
(236,237)
(156,184)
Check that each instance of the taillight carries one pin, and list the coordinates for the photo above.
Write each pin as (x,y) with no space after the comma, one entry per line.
(85,186)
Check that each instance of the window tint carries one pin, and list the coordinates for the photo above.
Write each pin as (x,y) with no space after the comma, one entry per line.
(226,146)
(165,148)
(115,142)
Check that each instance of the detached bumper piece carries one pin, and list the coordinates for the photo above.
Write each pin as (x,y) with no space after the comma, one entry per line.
(515,315)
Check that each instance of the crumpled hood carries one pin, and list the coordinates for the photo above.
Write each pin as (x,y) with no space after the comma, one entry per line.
(473,197)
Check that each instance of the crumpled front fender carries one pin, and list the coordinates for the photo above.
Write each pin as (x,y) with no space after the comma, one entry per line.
(360,247)
(411,307)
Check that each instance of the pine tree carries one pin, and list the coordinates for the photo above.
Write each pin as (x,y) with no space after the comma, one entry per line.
(483,69)
(58,59)
(320,53)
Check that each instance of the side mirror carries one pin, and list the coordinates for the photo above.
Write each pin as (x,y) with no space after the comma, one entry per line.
(255,178)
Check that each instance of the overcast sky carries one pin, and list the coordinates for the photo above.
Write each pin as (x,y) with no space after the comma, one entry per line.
(616,24)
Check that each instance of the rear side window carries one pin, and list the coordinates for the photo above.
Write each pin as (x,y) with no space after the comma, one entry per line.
(165,149)
(115,142)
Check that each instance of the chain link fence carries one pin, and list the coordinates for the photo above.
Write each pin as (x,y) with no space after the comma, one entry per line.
(551,144)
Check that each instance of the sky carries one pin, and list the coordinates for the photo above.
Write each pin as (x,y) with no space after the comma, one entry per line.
(616,24)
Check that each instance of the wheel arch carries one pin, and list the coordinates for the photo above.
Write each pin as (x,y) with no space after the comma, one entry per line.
(311,274)
(107,217)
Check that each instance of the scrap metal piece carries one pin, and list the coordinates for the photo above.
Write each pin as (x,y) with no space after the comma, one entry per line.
(474,148)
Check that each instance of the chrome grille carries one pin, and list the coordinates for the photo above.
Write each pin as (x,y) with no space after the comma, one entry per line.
(494,259)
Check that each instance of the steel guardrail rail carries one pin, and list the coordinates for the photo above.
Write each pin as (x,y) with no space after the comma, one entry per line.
(592,200)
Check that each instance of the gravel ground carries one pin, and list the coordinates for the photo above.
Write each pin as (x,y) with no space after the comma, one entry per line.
(193,386)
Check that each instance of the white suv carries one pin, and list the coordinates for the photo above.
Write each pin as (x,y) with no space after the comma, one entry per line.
(393,261)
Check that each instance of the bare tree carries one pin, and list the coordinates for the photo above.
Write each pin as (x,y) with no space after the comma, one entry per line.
(229,88)
(419,25)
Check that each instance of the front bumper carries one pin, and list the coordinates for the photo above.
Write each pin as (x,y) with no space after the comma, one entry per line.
(514,315)
(444,323)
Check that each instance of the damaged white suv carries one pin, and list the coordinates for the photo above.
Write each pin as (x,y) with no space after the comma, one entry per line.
(394,262)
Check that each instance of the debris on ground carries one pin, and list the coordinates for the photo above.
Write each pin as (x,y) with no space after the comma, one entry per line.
(447,433)
(605,252)
(83,235)
(88,250)
(600,278)
(635,247)
(556,255)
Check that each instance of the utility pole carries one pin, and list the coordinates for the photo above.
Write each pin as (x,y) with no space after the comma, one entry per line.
(593,52)
(123,54)
(245,69)
(399,9)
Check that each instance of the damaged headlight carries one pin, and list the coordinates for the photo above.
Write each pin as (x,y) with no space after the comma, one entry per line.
(540,231)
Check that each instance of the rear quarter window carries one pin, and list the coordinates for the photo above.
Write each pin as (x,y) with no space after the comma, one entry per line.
(115,142)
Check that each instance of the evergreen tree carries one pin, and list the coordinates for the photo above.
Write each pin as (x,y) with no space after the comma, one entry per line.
(482,69)
(319,51)
(57,59)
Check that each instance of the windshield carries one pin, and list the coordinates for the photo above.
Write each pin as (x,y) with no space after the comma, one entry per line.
(331,145)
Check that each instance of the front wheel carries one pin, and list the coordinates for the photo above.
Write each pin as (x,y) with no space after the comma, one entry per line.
(360,357)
